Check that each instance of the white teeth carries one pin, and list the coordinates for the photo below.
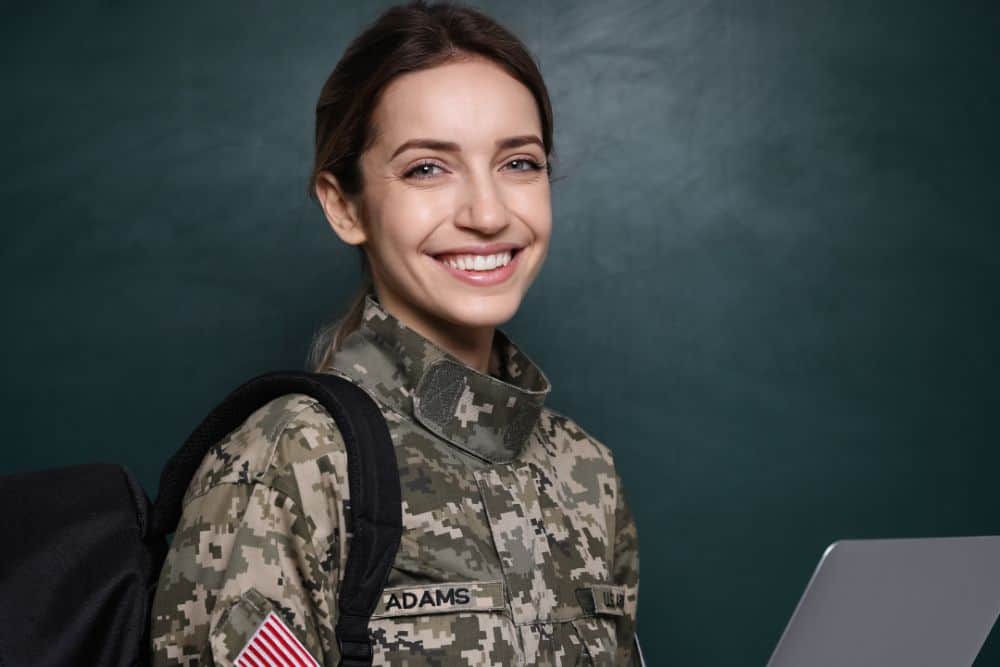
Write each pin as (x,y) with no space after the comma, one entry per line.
(478,262)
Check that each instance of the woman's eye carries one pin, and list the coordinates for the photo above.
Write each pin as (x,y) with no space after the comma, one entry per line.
(522,162)
(422,170)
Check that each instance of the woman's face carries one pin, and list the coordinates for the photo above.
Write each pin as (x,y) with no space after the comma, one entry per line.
(457,166)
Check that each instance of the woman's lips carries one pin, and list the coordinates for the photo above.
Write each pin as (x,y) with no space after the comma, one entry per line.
(483,278)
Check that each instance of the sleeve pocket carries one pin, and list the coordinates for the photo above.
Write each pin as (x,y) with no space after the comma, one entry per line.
(252,630)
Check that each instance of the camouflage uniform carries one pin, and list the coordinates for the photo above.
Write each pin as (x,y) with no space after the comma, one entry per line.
(518,545)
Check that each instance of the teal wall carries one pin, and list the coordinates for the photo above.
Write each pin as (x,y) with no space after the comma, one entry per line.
(772,288)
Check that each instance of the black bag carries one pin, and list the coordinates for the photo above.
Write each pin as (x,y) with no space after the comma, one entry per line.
(83,545)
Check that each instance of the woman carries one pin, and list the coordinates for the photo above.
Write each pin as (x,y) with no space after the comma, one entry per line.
(433,139)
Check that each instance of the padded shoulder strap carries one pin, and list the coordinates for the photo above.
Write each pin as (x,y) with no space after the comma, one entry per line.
(375,507)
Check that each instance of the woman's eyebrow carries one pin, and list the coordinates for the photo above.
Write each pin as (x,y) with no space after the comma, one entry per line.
(450,146)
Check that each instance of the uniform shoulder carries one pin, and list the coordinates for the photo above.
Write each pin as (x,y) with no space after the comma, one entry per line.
(289,429)
(569,437)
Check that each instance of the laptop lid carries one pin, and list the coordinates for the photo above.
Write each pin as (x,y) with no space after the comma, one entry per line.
(896,603)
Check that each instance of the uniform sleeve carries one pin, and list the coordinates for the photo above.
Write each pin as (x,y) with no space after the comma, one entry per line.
(626,573)
(255,556)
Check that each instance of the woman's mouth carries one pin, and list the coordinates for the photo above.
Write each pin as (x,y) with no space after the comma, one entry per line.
(480,270)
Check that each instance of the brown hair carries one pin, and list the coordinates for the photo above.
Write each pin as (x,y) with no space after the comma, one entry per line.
(405,38)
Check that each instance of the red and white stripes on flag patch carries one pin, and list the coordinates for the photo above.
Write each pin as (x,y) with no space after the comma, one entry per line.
(274,645)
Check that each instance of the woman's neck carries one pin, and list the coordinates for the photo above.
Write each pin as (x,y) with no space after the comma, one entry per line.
(472,346)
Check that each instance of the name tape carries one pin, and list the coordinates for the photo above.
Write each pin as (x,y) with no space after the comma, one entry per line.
(602,599)
(438,598)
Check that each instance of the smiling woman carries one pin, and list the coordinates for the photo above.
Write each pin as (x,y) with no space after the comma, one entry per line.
(433,153)
(454,174)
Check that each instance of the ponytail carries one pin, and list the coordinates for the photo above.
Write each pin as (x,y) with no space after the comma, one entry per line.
(330,336)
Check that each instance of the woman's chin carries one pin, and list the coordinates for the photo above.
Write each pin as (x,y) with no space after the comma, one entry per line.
(473,310)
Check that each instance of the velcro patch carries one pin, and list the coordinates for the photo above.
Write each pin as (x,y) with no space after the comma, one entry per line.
(273,644)
(439,598)
(602,599)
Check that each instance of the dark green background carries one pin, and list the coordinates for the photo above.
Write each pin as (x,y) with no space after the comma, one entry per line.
(772,288)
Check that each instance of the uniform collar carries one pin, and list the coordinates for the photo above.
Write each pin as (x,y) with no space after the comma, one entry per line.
(489,417)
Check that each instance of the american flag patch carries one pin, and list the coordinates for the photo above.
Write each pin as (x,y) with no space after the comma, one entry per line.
(274,645)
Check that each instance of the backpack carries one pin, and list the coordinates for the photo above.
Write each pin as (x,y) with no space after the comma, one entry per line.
(84,546)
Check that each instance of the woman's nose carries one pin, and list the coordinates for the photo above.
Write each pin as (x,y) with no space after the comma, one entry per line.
(484,208)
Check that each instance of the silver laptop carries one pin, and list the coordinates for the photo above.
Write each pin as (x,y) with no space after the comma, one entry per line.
(896,603)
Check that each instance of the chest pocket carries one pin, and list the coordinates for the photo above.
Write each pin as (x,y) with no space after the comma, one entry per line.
(603,606)
(449,624)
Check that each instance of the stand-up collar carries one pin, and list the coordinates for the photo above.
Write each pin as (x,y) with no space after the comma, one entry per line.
(490,417)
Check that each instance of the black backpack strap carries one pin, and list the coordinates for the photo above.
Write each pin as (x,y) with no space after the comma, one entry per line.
(372,474)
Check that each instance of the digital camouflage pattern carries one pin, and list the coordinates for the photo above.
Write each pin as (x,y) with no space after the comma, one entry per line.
(518,545)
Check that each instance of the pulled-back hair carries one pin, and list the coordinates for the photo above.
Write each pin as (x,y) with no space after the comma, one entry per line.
(405,38)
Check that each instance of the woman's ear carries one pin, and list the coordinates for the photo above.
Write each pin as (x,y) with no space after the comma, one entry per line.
(340,211)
